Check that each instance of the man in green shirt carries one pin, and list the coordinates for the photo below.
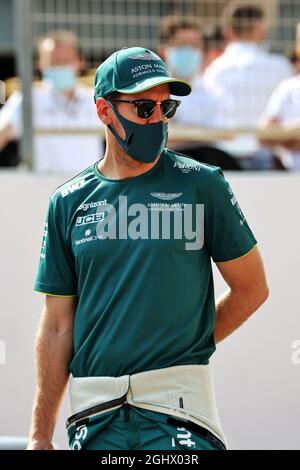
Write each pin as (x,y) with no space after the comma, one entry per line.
(126,269)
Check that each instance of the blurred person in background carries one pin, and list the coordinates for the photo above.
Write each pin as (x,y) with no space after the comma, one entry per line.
(9,152)
(213,45)
(58,102)
(295,61)
(283,110)
(248,74)
(181,47)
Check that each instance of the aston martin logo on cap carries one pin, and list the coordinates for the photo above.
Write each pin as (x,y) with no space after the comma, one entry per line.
(144,56)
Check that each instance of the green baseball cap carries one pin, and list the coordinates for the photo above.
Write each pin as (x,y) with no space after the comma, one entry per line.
(135,69)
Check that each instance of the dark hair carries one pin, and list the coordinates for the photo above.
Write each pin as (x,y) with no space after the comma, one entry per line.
(173,23)
(241,18)
(213,38)
(115,95)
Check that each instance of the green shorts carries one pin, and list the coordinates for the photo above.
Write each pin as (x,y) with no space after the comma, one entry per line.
(130,428)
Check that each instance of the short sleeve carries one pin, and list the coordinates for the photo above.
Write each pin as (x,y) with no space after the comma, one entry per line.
(11,113)
(275,106)
(56,272)
(227,233)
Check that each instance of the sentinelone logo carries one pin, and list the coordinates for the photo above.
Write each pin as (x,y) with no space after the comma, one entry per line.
(139,221)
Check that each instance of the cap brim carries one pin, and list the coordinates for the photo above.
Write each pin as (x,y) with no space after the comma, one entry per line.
(177,87)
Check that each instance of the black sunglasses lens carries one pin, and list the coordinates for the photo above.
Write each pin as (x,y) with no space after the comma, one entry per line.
(145,108)
(169,108)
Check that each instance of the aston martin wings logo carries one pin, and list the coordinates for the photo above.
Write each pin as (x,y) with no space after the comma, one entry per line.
(144,56)
(166,196)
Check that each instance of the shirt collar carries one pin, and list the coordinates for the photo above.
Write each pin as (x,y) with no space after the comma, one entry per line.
(59,96)
(242,47)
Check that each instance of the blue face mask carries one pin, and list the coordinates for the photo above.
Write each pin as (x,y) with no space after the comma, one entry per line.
(185,61)
(143,142)
(63,78)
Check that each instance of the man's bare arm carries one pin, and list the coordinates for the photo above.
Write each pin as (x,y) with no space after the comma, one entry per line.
(54,348)
(6,135)
(248,289)
(291,144)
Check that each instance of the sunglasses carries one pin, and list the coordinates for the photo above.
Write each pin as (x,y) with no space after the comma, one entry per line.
(144,108)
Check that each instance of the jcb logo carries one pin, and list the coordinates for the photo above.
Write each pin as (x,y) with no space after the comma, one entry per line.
(73,187)
(89,219)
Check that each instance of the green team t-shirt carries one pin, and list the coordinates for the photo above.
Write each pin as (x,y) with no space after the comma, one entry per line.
(137,253)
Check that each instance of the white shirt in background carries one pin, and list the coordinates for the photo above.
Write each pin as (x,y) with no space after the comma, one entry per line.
(202,107)
(52,110)
(247,74)
(284,105)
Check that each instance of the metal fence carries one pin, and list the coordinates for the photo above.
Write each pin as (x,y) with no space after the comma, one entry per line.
(106,25)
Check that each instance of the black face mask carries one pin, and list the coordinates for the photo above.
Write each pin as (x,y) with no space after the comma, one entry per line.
(143,142)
